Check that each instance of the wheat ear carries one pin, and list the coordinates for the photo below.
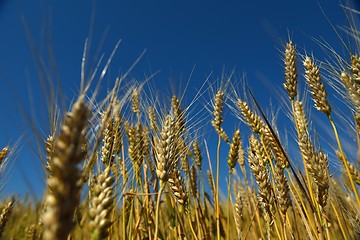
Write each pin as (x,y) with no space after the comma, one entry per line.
(166,159)
(101,204)
(197,154)
(261,174)
(234,151)
(178,189)
(323,178)
(316,164)
(218,118)
(64,186)
(251,118)
(5,214)
(352,89)
(313,78)
(355,67)
(290,70)
(355,173)
(3,154)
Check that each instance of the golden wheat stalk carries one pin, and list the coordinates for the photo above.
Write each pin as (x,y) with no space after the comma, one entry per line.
(251,118)
(355,67)
(238,215)
(178,189)
(64,185)
(49,152)
(218,118)
(355,173)
(316,164)
(166,149)
(101,204)
(313,78)
(5,214)
(3,154)
(108,141)
(261,174)
(323,178)
(234,151)
(197,154)
(290,70)
(352,89)
(179,114)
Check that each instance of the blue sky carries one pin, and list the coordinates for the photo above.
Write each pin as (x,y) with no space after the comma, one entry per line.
(178,36)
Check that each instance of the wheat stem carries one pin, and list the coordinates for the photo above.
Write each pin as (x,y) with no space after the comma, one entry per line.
(344,160)
(162,186)
(216,190)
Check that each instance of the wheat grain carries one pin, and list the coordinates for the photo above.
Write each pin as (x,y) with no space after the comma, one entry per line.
(152,118)
(3,154)
(31,232)
(233,155)
(252,119)
(179,114)
(352,89)
(166,149)
(355,173)
(193,181)
(290,70)
(313,78)
(262,178)
(101,204)
(135,101)
(178,188)
(5,214)
(238,208)
(273,145)
(63,193)
(282,188)
(108,141)
(197,154)
(355,67)
(323,178)
(218,118)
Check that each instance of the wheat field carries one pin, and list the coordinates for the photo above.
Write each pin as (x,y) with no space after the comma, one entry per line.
(135,166)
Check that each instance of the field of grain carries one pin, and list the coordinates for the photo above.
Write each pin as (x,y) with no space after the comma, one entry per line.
(134,165)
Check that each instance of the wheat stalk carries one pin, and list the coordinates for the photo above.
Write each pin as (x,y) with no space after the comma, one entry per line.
(261,174)
(64,185)
(178,189)
(234,151)
(101,204)
(252,119)
(218,118)
(3,154)
(179,114)
(197,154)
(290,70)
(108,141)
(352,89)
(166,158)
(355,67)
(313,78)
(323,178)
(5,214)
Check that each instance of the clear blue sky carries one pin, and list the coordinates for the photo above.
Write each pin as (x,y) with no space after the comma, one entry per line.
(178,35)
